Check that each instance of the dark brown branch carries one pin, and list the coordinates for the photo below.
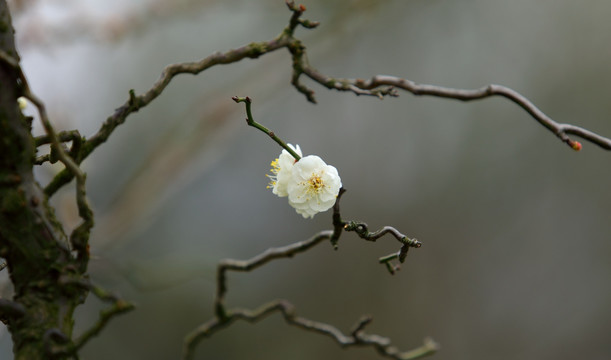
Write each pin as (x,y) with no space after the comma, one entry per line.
(225,317)
(357,338)
(379,86)
(134,103)
(338,223)
(382,85)
(259,260)
(362,231)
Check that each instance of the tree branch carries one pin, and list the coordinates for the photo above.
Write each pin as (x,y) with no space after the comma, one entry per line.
(134,103)
(225,317)
(363,232)
(251,122)
(379,86)
(64,136)
(58,344)
(257,261)
(338,224)
(355,339)
(80,236)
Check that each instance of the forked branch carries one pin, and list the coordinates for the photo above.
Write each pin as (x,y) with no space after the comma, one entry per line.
(225,317)
(379,86)
(361,229)
(58,345)
(382,85)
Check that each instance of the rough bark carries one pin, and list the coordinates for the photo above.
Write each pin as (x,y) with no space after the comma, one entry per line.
(32,242)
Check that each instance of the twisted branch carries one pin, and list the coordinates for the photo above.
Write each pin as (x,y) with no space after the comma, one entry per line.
(338,224)
(361,229)
(379,86)
(225,317)
(357,337)
(135,102)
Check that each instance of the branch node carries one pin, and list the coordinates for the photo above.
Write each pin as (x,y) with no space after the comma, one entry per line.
(133,101)
(360,325)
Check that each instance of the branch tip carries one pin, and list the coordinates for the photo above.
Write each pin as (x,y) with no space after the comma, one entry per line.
(239,99)
(575,145)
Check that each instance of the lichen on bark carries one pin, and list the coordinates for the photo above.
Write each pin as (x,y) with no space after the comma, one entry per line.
(32,241)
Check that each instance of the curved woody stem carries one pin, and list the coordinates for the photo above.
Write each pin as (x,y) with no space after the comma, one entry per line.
(380,86)
(225,317)
(251,122)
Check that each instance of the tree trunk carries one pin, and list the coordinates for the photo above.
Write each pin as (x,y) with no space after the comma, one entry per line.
(32,242)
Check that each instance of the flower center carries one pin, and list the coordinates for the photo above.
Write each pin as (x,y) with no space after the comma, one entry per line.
(315,183)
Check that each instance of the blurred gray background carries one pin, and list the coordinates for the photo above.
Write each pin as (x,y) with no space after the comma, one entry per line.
(515,262)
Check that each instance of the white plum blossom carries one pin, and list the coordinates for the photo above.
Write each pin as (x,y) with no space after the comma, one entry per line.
(281,171)
(311,185)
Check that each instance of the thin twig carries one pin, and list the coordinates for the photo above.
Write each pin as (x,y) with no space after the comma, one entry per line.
(64,136)
(136,102)
(67,348)
(251,122)
(379,86)
(361,229)
(225,317)
(381,344)
(257,261)
(338,224)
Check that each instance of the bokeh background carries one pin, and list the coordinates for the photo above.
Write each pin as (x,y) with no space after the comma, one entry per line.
(515,225)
